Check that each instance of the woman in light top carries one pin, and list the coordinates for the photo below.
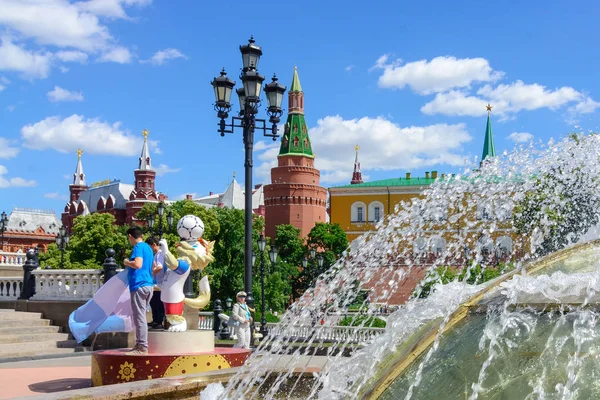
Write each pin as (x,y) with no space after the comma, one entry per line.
(241,321)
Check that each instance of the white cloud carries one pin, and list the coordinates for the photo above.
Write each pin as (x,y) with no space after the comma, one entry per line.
(72,56)
(56,196)
(384,145)
(438,75)
(11,108)
(520,137)
(60,94)
(13,182)
(55,22)
(16,58)
(7,150)
(117,54)
(507,99)
(586,106)
(349,68)
(161,56)
(163,169)
(73,27)
(92,135)
(455,103)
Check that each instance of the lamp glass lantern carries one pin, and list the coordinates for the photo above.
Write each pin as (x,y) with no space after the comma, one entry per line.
(62,231)
(161,209)
(304,262)
(170,219)
(273,254)
(250,54)
(242,97)
(223,87)
(320,260)
(253,258)
(274,92)
(151,222)
(262,243)
(59,241)
(252,81)
(228,302)
(313,252)
(66,239)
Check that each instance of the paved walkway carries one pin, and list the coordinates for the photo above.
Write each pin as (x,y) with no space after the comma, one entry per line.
(29,378)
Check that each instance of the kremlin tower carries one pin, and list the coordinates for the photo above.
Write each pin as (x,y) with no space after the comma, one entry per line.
(356,175)
(145,177)
(294,195)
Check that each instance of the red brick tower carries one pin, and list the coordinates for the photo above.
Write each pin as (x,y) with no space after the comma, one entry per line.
(144,191)
(357,174)
(75,189)
(294,195)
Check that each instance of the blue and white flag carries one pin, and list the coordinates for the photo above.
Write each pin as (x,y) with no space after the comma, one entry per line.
(108,311)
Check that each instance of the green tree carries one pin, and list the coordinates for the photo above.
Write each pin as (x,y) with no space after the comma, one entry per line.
(563,203)
(291,250)
(91,236)
(51,258)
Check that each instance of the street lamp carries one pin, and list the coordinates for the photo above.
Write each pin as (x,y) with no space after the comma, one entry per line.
(262,243)
(152,219)
(320,261)
(249,97)
(62,241)
(3,226)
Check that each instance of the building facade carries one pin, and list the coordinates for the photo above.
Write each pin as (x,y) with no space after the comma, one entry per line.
(294,195)
(121,200)
(29,228)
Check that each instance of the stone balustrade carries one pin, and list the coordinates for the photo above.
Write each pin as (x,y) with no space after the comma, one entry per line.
(11,259)
(320,333)
(66,284)
(10,287)
(205,320)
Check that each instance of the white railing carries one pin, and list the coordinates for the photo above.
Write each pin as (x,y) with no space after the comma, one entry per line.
(320,333)
(205,320)
(10,287)
(12,259)
(66,284)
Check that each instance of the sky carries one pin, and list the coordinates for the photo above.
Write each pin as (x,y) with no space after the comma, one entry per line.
(406,81)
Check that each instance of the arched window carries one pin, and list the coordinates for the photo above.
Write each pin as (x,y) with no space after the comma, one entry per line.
(485,245)
(485,210)
(101,203)
(420,246)
(358,212)
(438,245)
(375,211)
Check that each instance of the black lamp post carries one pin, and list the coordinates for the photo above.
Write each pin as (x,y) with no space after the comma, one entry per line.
(262,243)
(152,220)
(3,226)
(249,97)
(62,241)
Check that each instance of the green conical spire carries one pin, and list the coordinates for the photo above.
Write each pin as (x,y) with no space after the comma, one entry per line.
(296,87)
(295,140)
(488,145)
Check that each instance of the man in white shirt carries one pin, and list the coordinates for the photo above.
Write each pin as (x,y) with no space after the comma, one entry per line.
(158,272)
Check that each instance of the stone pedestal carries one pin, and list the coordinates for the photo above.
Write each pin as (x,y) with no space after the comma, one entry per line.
(181,342)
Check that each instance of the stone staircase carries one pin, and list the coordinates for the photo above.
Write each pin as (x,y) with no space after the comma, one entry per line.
(25,335)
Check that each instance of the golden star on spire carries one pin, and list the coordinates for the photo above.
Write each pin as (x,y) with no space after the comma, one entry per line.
(489,108)
(233,175)
(79,153)
(145,133)
(356,148)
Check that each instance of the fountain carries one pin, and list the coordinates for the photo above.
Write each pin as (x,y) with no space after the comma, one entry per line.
(529,333)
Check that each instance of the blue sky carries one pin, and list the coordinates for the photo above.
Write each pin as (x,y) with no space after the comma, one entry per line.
(407,81)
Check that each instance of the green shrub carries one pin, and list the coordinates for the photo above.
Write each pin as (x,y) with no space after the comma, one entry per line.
(268,317)
(365,321)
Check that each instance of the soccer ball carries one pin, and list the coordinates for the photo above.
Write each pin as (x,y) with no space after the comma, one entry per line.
(190,228)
